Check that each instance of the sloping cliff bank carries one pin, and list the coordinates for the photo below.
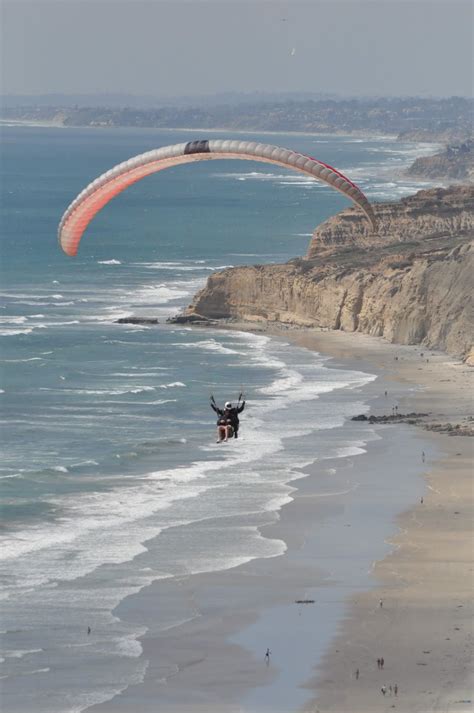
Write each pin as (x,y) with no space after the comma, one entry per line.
(455,162)
(411,283)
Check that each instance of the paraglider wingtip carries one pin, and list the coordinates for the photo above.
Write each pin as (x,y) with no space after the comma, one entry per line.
(70,252)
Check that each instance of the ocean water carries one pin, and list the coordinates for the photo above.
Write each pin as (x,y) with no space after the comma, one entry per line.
(107,434)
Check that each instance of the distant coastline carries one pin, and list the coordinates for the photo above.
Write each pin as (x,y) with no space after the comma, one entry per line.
(410,118)
(50,124)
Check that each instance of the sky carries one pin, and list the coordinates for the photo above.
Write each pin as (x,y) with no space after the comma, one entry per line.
(202,47)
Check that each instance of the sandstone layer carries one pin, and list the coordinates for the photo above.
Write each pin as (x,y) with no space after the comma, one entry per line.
(411,283)
(455,162)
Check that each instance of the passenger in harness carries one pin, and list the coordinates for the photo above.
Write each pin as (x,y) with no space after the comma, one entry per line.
(228,421)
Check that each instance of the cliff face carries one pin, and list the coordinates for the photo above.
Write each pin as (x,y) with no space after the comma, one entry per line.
(454,162)
(411,283)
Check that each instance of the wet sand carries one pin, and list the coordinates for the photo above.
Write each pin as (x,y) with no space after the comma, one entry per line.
(424,628)
(214,661)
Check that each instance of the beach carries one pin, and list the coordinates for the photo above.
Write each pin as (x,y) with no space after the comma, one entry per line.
(411,607)
(423,629)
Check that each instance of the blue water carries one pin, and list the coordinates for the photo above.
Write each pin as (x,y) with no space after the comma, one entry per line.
(107,436)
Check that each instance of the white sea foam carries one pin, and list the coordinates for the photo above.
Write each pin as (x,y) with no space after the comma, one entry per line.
(109,262)
(12,320)
(266,176)
(84,463)
(14,332)
(20,653)
(159,402)
(180,267)
(104,392)
(209,345)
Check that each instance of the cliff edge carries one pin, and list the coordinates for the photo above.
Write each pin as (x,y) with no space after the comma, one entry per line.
(411,283)
(456,162)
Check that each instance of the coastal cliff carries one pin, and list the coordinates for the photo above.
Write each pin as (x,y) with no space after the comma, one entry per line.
(411,283)
(455,162)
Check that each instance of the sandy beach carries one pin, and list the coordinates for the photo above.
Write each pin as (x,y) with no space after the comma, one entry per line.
(422,574)
(419,618)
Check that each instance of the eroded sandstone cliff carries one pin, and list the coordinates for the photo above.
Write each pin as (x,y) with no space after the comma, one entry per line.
(410,284)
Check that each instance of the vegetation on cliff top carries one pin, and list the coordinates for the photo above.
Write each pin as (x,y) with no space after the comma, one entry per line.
(413,118)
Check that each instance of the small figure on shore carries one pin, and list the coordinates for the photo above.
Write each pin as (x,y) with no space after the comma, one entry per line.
(357,674)
(395,689)
(421,500)
(423,456)
(386,394)
(396,410)
(267,656)
(384,690)
(389,690)
(88,630)
(381,603)
(381,662)
(378,663)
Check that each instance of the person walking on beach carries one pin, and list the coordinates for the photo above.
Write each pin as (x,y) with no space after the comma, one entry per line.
(267,656)
(357,674)
(378,663)
(381,662)
(389,690)
(395,689)
(381,603)
(384,690)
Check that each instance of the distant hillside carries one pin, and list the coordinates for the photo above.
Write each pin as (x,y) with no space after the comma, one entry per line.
(421,119)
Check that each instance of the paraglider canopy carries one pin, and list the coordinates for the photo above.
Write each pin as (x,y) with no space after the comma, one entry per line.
(98,193)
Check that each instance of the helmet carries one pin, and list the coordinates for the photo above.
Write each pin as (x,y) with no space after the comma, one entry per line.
(228,404)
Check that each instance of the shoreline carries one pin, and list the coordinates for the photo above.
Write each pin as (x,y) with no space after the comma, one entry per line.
(424,627)
(358,133)
(217,642)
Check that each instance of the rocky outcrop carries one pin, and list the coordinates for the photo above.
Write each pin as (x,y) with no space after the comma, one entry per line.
(410,284)
(417,219)
(137,320)
(454,162)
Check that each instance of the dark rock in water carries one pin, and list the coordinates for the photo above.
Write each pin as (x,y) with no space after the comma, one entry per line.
(394,418)
(137,320)
(188,319)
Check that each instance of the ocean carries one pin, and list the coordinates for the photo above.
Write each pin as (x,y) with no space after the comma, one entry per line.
(108,440)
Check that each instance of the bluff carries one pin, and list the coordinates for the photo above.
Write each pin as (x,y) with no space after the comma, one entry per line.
(411,283)
(453,162)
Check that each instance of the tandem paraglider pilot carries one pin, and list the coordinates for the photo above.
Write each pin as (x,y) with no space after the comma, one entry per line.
(228,418)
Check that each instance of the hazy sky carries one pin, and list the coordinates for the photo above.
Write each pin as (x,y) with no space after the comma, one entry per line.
(182,47)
